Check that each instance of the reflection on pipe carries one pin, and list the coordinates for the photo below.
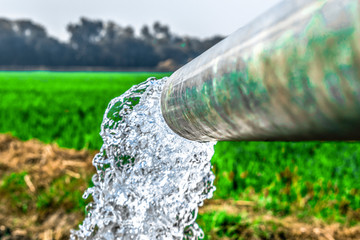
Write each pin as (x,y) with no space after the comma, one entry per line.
(292,74)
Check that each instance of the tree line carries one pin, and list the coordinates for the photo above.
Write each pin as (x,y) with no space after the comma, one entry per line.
(94,43)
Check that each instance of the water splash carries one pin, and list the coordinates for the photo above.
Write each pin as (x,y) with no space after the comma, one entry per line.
(149,181)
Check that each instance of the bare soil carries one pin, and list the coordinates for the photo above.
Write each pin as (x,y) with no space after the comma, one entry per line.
(43,163)
(278,228)
(47,162)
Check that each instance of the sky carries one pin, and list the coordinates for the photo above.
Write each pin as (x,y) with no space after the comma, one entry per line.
(199,18)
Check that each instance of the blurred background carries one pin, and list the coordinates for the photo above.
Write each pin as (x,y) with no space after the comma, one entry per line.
(62,62)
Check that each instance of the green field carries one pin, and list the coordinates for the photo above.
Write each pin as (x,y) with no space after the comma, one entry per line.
(305,179)
(62,107)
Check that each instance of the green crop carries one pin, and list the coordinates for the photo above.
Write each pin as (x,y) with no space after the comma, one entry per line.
(319,179)
(62,107)
(306,178)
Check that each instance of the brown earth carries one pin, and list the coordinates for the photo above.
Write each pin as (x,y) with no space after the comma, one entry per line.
(46,162)
(43,163)
(272,227)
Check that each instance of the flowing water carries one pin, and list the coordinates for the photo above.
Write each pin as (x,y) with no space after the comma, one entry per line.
(149,181)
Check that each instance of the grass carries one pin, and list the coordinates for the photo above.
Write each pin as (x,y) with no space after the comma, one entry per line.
(220,224)
(63,192)
(318,179)
(304,178)
(62,107)
(13,187)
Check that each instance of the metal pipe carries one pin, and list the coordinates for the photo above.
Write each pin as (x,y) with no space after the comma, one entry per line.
(292,74)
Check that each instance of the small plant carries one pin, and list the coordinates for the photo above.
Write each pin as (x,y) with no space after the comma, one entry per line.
(65,192)
(220,224)
(13,187)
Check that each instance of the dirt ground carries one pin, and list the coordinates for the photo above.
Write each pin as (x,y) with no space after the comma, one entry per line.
(279,228)
(43,163)
(46,162)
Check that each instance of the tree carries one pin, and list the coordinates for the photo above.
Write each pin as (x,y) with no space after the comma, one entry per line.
(84,39)
(96,43)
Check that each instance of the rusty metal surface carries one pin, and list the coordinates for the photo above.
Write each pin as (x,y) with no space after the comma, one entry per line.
(292,74)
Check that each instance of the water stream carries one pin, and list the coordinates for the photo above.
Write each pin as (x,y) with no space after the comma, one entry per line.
(149,181)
